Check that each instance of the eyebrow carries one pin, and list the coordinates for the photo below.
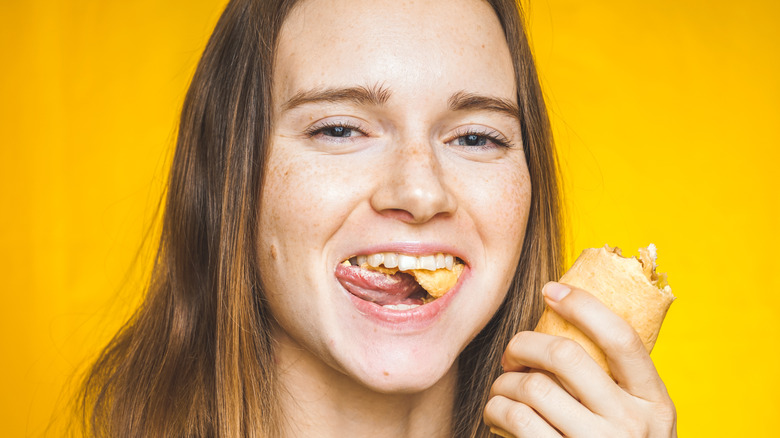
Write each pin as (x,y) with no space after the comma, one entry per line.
(378,95)
(375,95)
(462,101)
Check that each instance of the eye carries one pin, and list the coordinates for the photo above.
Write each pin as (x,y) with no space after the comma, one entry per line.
(471,140)
(479,138)
(335,131)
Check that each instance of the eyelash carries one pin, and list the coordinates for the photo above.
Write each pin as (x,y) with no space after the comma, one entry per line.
(491,135)
(319,128)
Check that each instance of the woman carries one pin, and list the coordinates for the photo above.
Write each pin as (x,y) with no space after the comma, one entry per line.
(321,132)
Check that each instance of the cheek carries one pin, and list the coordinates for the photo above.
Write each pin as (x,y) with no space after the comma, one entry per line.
(501,207)
(511,222)
(281,198)
(503,226)
(304,200)
(291,227)
(517,195)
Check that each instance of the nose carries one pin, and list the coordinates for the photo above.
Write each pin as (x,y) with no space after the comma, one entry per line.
(413,189)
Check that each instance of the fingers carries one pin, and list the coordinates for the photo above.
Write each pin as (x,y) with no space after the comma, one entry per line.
(547,399)
(577,397)
(569,363)
(516,419)
(627,356)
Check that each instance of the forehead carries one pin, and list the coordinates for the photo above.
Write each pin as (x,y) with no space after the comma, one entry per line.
(440,46)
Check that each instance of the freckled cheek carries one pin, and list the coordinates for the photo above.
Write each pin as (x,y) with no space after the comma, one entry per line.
(511,206)
(288,226)
(301,202)
(287,200)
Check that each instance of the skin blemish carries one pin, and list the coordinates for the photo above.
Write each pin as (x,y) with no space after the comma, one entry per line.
(274,252)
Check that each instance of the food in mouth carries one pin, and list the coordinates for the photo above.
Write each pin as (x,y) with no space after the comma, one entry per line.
(630,287)
(399,281)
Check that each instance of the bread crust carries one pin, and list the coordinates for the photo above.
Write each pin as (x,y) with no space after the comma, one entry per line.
(627,286)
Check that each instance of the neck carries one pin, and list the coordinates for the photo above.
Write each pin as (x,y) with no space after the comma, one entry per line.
(317,400)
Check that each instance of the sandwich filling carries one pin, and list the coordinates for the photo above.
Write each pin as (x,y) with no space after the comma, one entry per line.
(647,258)
(400,281)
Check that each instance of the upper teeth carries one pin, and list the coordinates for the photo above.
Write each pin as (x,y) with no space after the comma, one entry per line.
(406,262)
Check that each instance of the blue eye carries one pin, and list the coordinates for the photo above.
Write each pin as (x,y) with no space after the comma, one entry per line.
(481,139)
(335,130)
(471,140)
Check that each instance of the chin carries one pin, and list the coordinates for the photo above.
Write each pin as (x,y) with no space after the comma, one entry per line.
(403,375)
(402,365)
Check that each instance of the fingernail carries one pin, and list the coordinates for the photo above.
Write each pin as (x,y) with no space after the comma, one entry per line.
(555,291)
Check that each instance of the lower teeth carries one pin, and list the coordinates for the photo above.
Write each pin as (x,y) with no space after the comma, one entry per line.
(400,306)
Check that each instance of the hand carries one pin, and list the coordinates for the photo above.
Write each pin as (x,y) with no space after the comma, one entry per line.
(552,388)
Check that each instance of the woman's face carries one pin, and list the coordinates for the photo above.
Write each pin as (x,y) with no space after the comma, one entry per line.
(393,132)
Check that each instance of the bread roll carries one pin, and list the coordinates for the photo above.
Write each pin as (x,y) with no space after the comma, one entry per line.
(630,287)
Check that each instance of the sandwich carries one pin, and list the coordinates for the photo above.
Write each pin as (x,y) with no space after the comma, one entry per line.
(629,286)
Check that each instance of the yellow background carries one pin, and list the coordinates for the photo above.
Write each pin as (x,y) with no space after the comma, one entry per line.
(666,114)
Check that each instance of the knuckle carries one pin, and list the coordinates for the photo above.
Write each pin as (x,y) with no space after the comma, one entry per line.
(507,414)
(666,413)
(517,341)
(490,409)
(566,352)
(536,386)
(519,416)
(628,426)
(501,384)
(636,427)
(627,342)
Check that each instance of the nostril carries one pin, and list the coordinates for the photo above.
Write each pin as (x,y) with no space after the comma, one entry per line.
(399,214)
(408,217)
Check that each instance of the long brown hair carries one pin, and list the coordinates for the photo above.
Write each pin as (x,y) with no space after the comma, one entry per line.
(196,359)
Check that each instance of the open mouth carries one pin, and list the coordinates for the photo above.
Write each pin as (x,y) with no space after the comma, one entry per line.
(399,281)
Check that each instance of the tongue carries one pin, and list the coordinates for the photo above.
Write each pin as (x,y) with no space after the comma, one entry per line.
(380,288)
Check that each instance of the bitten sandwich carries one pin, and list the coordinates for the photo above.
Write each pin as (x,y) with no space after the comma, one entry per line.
(630,287)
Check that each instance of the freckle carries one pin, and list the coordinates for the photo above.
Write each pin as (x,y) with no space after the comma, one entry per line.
(385,373)
(274,253)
